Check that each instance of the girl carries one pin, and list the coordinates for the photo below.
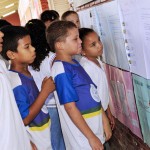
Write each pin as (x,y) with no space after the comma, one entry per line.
(92,48)
(72,16)
(40,68)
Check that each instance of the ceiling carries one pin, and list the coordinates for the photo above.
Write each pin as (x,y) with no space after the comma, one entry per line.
(4,3)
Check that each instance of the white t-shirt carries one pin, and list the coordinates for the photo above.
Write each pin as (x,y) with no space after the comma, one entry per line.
(74,85)
(98,76)
(45,71)
(13,135)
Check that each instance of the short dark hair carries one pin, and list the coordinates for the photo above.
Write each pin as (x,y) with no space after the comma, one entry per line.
(67,13)
(10,40)
(36,29)
(58,31)
(4,23)
(83,32)
(49,15)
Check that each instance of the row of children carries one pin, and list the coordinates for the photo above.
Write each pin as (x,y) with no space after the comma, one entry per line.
(80,96)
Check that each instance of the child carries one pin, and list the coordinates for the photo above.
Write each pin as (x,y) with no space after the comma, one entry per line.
(12,131)
(72,16)
(17,47)
(40,68)
(48,16)
(78,104)
(92,48)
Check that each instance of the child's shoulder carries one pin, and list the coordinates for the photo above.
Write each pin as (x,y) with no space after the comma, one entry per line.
(14,79)
(58,67)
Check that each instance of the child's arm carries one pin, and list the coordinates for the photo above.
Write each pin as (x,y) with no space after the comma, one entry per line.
(47,87)
(106,126)
(110,117)
(79,121)
(33,146)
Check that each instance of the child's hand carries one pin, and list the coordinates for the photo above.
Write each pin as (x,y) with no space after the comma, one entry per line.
(107,130)
(106,126)
(111,120)
(96,144)
(48,85)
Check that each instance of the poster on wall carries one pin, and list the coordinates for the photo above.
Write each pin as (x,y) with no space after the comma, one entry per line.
(104,19)
(136,22)
(89,19)
(112,35)
(122,102)
(142,94)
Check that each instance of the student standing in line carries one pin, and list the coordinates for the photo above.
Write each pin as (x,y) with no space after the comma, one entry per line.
(12,131)
(48,16)
(72,16)
(92,48)
(17,47)
(40,68)
(82,118)
(4,23)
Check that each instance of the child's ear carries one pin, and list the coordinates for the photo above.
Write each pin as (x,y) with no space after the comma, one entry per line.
(10,54)
(59,45)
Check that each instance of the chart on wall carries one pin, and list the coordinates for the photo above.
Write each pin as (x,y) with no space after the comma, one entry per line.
(104,19)
(136,22)
(122,101)
(89,19)
(142,94)
(112,35)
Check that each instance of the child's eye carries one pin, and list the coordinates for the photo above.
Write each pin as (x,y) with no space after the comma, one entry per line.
(93,44)
(99,39)
(76,39)
(26,47)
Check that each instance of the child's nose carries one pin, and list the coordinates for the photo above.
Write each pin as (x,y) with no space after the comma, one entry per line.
(80,41)
(1,34)
(33,48)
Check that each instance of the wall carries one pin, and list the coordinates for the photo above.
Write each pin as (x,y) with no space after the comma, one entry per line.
(13,19)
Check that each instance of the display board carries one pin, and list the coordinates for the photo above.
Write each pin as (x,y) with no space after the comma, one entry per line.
(142,94)
(122,102)
(136,23)
(104,19)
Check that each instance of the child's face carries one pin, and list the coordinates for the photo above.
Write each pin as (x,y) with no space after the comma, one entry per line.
(74,18)
(92,46)
(1,40)
(25,51)
(72,43)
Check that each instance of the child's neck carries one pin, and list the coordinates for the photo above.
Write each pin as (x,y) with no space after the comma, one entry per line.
(64,58)
(94,60)
(21,68)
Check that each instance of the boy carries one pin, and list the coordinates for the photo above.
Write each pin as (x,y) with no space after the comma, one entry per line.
(79,106)
(12,131)
(72,16)
(17,47)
